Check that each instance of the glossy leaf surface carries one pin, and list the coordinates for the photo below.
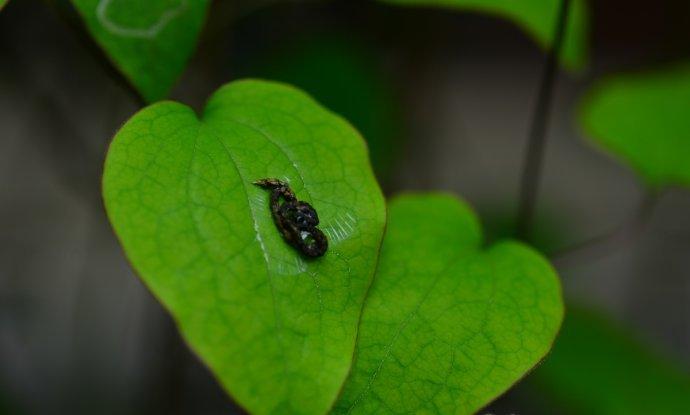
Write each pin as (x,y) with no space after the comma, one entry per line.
(277,330)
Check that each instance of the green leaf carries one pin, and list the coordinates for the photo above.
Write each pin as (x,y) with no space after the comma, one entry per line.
(149,41)
(344,75)
(644,120)
(599,368)
(536,17)
(3,3)
(276,329)
(448,325)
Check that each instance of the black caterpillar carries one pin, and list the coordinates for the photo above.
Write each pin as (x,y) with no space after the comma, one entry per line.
(296,220)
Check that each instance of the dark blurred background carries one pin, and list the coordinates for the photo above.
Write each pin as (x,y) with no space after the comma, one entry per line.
(449,99)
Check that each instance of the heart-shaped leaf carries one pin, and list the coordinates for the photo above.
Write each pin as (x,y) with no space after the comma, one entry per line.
(644,119)
(149,41)
(277,330)
(600,368)
(536,17)
(448,325)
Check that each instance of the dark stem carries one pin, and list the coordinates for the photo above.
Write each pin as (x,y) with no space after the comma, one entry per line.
(599,246)
(533,162)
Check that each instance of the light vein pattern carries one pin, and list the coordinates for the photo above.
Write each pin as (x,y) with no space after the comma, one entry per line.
(278,331)
(448,326)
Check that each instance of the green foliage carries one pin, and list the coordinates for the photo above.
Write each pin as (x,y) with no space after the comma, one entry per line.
(536,17)
(149,41)
(644,119)
(448,326)
(343,75)
(598,368)
(276,329)
(3,3)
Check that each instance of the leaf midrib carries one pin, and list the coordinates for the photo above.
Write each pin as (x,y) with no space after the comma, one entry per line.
(252,215)
(362,395)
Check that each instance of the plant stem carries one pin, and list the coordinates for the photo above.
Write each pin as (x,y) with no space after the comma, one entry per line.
(534,157)
(598,246)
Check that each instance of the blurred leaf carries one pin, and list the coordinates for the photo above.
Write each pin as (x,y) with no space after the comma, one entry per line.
(3,3)
(448,326)
(343,75)
(149,41)
(644,119)
(536,17)
(276,329)
(597,368)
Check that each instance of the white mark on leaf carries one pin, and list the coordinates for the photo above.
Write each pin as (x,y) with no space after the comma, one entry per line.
(287,266)
(340,228)
(135,32)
